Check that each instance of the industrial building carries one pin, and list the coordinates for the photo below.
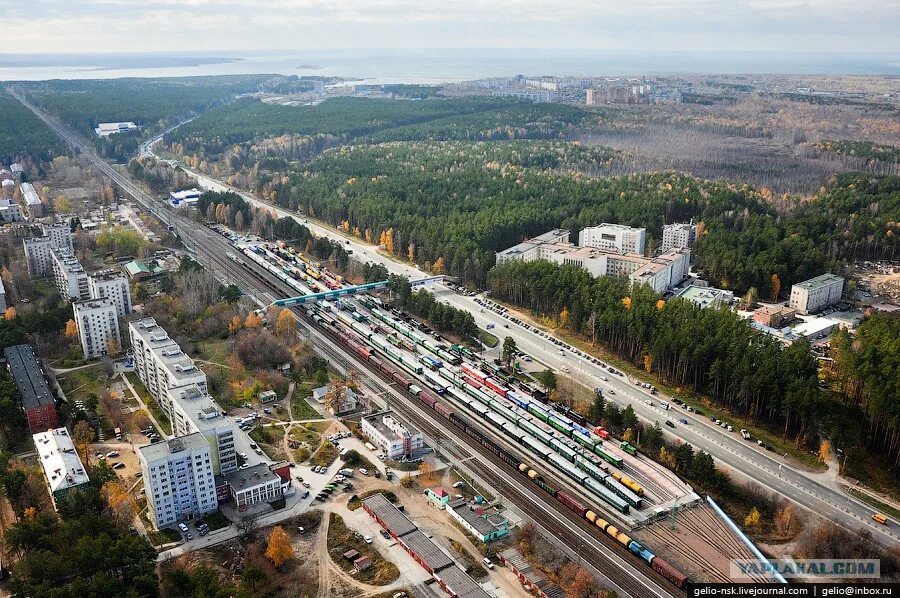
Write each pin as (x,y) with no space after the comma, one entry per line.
(439,565)
(676,236)
(107,129)
(159,361)
(98,326)
(396,439)
(816,293)
(616,237)
(62,467)
(661,272)
(178,478)
(485,526)
(187,197)
(38,403)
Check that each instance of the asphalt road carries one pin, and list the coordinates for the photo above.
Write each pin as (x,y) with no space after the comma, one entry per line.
(627,577)
(742,457)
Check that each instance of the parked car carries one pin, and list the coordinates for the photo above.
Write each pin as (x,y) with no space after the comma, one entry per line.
(183,527)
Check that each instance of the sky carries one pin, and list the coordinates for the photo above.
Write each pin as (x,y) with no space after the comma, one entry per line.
(67,26)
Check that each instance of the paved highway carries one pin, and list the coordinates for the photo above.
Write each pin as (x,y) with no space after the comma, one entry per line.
(623,573)
(740,456)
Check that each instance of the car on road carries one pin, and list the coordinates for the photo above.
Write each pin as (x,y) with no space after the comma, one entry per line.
(683,421)
(368,539)
(385,534)
(670,424)
(487,563)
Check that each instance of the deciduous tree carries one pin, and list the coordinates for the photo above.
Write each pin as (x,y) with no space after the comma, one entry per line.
(279,549)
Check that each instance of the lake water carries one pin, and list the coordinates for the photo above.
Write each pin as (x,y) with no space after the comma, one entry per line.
(434,66)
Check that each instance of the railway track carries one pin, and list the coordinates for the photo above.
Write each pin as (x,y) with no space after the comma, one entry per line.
(627,576)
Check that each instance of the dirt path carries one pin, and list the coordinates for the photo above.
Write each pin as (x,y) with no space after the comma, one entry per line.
(323,560)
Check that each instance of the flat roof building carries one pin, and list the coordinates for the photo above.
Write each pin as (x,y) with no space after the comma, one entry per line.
(704,297)
(254,485)
(32,200)
(816,293)
(186,197)
(192,410)
(677,235)
(111,284)
(62,467)
(486,527)
(107,129)
(98,327)
(37,249)
(616,237)
(661,272)
(159,361)
(69,275)
(179,479)
(38,402)
(392,436)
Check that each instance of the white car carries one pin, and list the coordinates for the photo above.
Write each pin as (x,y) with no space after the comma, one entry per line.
(183,527)
(368,539)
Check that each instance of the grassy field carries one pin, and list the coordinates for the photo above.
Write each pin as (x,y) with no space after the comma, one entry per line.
(301,408)
(341,539)
(325,456)
(152,405)
(488,339)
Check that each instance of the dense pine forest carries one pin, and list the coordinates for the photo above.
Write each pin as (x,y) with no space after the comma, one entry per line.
(23,137)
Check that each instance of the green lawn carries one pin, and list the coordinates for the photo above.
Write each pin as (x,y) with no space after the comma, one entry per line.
(216,520)
(152,405)
(325,456)
(488,339)
(300,407)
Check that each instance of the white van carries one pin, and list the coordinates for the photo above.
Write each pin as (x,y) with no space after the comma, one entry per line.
(363,471)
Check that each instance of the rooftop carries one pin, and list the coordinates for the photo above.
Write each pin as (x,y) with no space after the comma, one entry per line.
(819,281)
(704,296)
(173,446)
(481,524)
(255,475)
(461,584)
(30,195)
(200,407)
(396,521)
(427,550)
(109,274)
(85,304)
(27,374)
(62,465)
(378,421)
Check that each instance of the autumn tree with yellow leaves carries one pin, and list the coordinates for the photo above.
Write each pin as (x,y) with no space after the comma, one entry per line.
(71,329)
(253,320)
(279,549)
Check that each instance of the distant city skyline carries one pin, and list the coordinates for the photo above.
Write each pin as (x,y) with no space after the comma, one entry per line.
(72,26)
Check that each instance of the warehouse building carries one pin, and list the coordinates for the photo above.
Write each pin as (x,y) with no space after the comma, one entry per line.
(98,327)
(62,467)
(615,237)
(396,439)
(38,403)
(453,580)
(107,129)
(817,293)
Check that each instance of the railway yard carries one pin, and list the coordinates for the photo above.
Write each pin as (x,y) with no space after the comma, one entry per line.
(604,481)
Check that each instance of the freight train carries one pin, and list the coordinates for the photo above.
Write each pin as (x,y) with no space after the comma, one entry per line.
(658,564)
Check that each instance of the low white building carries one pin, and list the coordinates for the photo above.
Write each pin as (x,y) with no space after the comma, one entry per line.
(32,200)
(98,326)
(113,285)
(187,197)
(616,237)
(675,236)
(816,293)
(392,436)
(107,129)
(347,403)
(706,296)
(178,478)
(254,485)
(62,467)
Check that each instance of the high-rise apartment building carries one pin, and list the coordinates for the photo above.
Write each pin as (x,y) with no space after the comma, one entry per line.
(98,326)
(678,235)
(112,285)
(179,479)
(615,237)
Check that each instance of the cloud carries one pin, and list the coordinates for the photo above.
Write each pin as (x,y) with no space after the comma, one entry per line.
(222,25)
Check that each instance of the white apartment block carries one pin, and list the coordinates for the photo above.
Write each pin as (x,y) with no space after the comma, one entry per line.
(179,479)
(816,293)
(10,211)
(32,200)
(113,285)
(37,249)
(194,411)
(615,237)
(160,363)
(69,275)
(675,236)
(98,326)
(391,435)
(661,272)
